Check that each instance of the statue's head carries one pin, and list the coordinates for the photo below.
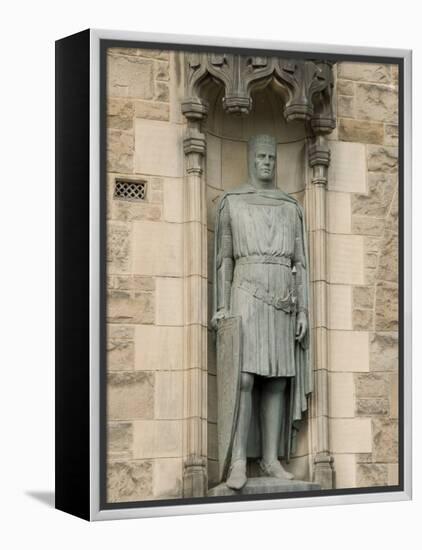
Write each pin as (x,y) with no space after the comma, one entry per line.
(262,156)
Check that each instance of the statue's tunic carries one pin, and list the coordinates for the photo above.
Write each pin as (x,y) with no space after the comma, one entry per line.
(259,237)
(264,237)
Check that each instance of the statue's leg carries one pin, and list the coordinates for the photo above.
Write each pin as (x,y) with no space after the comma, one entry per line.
(237,474)
(272,395)
(272,404)
(244,417)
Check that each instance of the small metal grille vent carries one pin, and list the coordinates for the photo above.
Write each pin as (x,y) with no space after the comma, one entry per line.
(130,190)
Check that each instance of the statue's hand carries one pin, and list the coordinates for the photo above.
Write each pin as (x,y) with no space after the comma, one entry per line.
(221,314)
(301,325)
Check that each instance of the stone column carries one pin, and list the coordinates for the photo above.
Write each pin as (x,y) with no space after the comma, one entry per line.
(195,315)
(319,159)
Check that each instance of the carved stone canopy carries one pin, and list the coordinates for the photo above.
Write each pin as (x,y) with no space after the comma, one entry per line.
(304,85)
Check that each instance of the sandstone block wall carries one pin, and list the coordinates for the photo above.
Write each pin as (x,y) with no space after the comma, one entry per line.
(363,251)
(144,279)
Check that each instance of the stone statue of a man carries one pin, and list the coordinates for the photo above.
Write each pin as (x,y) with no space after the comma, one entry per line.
(261,278)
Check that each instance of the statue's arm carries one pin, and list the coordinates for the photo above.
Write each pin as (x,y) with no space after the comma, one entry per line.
(225,261)
(299,262)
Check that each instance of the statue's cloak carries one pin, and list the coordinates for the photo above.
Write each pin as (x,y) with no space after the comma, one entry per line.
(299,386)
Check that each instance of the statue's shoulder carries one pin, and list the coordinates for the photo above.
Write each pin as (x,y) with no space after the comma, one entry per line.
(296,204)
(242,189)
(283,196)
(234,193)
(292,201)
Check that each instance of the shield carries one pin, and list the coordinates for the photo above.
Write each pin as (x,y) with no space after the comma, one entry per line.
(229,346)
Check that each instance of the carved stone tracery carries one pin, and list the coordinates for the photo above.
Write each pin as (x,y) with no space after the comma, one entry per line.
(305,86)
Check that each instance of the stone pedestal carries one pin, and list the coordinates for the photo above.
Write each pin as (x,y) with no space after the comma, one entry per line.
(265,485)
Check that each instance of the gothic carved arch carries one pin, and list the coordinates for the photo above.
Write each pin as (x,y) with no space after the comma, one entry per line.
(305,86)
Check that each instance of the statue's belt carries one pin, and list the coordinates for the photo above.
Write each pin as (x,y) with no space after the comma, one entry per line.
(286,303)
(279,260)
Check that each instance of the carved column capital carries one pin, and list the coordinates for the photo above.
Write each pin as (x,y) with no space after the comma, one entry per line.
(194,147)
(194,142)
(319,156)
(195,109)
(319,151)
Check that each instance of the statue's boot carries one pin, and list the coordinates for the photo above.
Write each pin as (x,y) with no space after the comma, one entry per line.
(275,469)
(237,475)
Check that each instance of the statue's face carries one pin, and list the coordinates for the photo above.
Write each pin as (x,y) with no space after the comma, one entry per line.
(265,157)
